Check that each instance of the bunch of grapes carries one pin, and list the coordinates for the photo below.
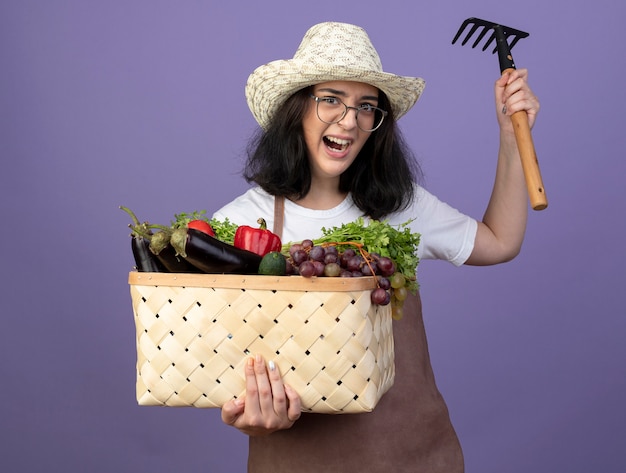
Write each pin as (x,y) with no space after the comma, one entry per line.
(327,260)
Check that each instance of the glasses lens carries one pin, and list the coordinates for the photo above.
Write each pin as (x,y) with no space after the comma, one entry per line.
(330,110)
(369,119)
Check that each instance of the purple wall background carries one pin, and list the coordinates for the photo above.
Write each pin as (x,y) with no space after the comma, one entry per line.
(141,103)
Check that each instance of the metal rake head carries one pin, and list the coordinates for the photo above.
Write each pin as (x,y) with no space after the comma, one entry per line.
(497,29)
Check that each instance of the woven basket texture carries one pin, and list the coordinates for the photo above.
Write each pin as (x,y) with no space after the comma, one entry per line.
(195,333)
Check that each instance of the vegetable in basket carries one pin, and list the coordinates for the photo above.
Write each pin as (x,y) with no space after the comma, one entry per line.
(257,240)
(212,255)
(273,264)
(145,260)
(161,247)
(202,226)
(196,219)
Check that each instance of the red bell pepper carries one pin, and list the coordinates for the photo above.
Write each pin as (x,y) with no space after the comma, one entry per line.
(257,240)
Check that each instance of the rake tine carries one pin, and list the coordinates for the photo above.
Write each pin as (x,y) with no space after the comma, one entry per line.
(489,41)
(469,35)
(458,33)
(516,38)
(456,36)
(480,36)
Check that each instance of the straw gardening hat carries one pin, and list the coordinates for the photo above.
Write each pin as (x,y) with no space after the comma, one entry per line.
(328,52)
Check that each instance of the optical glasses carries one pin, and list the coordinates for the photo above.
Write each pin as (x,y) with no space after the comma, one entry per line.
(333,110)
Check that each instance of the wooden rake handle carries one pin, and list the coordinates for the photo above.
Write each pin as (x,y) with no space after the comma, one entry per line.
(530,165)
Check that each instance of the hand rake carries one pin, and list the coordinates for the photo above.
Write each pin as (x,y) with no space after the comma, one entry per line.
(523,136)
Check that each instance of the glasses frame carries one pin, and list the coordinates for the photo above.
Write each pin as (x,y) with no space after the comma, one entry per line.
(317,100)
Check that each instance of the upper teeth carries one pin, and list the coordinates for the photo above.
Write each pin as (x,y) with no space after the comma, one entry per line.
(339,141)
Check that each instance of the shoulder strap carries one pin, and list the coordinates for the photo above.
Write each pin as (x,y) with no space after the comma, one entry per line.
(279,213)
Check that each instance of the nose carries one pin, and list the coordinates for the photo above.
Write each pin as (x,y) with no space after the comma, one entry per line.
(349,120)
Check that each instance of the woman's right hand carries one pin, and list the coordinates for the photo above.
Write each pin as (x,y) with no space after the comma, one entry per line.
(268,406)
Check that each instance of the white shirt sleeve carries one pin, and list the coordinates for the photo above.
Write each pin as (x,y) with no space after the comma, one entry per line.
(446,233)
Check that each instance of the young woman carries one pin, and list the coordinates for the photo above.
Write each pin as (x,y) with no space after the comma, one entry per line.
(329,147)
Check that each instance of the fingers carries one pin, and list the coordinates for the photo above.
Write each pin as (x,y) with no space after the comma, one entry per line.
(513,94)
(294,409)
(263,386)
(279,398)
(269,405)
(273,399)
(232,410)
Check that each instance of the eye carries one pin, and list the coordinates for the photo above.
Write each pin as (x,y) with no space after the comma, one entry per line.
(331,100)
(367,108)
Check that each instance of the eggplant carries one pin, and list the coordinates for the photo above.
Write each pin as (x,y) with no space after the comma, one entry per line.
(211,255)
(175,263)
(145,260)
(161,248)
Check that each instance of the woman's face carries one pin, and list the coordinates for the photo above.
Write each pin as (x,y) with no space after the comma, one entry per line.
(333,147)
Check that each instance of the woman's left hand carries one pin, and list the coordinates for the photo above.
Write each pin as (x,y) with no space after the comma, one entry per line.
(268,405)
(513,94)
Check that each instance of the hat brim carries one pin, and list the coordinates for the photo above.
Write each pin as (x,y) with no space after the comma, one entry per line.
(271,84)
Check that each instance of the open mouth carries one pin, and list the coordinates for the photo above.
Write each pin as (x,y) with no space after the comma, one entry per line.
(336,144)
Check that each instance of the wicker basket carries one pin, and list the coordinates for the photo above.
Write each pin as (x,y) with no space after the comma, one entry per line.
(194,333)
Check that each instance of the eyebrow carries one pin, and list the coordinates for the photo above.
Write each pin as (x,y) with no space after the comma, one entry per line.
(343,94)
